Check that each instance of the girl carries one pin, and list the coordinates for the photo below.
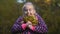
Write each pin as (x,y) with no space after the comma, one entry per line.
(28,28)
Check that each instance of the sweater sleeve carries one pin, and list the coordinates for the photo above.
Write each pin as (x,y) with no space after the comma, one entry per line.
(18,27)
(41,26)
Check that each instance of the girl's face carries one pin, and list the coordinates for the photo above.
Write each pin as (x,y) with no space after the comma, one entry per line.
(29,10)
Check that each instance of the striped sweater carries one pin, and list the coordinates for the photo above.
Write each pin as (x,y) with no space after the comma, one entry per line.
(40,28)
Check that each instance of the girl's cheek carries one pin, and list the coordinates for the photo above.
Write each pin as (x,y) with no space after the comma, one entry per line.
(32,12)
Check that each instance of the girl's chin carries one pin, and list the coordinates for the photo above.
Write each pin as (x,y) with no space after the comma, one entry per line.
(28,15)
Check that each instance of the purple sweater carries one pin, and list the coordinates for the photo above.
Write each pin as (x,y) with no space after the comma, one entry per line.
(40,28)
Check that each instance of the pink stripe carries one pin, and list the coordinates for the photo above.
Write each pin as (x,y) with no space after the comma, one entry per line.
(32,28)
(23,26)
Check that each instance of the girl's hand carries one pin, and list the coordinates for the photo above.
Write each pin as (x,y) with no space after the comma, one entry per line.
(29,26)
(28,23)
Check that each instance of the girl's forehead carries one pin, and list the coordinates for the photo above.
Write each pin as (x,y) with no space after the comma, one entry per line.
(29,6)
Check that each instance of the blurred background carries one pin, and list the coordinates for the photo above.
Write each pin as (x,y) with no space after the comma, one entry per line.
(49,10)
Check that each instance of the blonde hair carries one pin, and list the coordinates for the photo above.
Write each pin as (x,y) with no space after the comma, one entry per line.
(28,3)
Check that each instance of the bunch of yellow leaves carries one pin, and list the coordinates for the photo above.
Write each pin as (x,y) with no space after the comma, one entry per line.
(31,19)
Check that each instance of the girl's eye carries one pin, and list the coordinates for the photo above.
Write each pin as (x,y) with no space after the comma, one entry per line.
(29,9)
